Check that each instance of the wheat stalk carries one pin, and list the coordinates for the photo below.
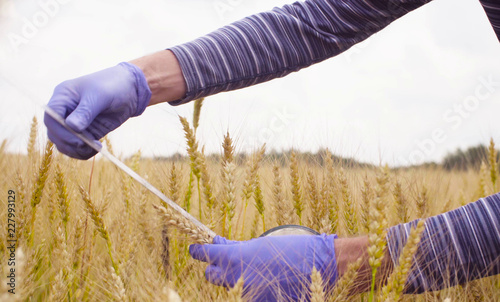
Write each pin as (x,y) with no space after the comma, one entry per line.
(3,146)
(493,154)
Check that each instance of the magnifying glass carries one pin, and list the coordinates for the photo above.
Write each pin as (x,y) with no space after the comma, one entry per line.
(289,229)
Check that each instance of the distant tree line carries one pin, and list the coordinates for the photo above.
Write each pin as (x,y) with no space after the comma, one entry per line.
(471,158)
(282,158)
(462,160)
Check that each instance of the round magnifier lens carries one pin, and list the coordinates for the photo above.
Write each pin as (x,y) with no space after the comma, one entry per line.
(289,229)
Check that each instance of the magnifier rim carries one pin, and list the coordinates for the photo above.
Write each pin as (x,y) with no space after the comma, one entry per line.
(289,226)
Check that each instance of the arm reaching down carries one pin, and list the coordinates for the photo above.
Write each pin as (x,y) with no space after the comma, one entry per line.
(273,44)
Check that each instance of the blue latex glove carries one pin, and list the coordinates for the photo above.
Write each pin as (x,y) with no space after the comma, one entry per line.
(95,105)
(273,268)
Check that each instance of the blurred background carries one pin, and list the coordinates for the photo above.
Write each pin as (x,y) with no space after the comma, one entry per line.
(425,86)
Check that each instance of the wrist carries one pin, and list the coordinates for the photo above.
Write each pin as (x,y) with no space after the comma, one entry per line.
(349,250)
(163,75)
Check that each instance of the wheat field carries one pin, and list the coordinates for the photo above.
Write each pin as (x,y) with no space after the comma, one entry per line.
(87,232)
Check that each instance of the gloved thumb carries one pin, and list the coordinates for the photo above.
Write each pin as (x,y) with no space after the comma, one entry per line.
(86,111)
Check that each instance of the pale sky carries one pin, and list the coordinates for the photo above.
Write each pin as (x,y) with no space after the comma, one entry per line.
(425,85)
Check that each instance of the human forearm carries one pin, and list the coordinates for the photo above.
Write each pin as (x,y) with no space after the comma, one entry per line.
(164,76)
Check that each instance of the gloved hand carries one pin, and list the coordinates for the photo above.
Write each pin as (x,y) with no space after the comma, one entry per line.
(274,268)
(95,105)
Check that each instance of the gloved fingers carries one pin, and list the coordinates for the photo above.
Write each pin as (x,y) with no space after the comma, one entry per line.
(74,148)
(66,142)
(221,240)
(211,253)
(216,276)
(86,111)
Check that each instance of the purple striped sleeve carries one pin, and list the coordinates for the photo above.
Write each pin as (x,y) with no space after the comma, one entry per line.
(273,44)
(456,247)
(492,9)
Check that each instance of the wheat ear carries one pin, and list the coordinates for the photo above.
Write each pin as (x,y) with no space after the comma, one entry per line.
(259,200)
(64,201)
(194,157)
(349,212)
(236,293)
(183,225)
(314,202)
(100,226)
(228,177)
(60,256)
(197,112)
(482,190)
(341,290)
(296,188)
(317,287)
(376,238)
(423,202)
(227,173)
(109,146)
(366,197)
(117,287)
(283,213)
(333,206)
(39,185)
(401,203)
(32,146)
(248,185)
(397,279)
